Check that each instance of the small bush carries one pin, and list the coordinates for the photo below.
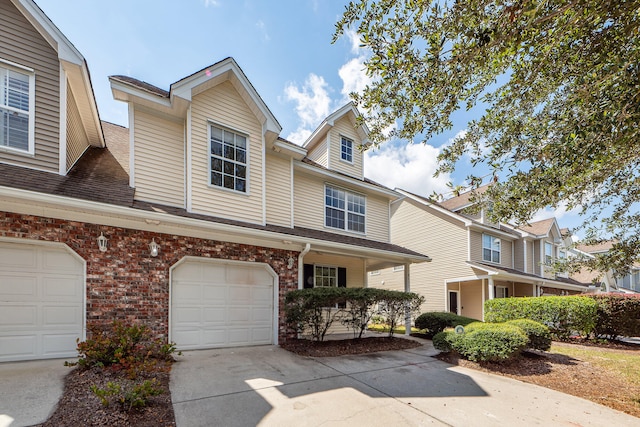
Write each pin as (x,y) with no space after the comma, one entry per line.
(489,342)
(129,347)
(441,341)
(129,395)
(434,322)
(617,315)
(537,333)
(563,315)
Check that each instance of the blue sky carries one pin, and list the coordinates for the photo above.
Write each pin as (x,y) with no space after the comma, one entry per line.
(284,48)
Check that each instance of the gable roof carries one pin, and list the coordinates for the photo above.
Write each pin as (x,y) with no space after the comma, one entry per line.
(541,228)
(74,65)
(463,200)
(346,110)
(176,100)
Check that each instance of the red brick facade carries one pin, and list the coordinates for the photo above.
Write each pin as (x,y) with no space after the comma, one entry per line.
(125,282)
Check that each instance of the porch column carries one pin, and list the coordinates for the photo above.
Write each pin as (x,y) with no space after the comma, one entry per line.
(492,291)
(535,290)
(407,288)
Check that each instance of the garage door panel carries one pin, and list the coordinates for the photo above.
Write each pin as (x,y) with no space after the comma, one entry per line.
(58,345)
(18,257)
(59,261)
(66,288)
(18,316)
(16,347)
(235,304)
(184,316)
(214,315)
(61,316)
(17,287)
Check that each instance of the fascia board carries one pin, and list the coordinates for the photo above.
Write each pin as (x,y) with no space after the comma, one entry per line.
(494,231)
(297,153)
(127,93)
(351,182)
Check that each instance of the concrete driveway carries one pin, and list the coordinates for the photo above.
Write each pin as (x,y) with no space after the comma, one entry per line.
(29,391)
(269,386)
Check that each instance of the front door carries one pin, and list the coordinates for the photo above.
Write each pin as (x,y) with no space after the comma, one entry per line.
(453,302)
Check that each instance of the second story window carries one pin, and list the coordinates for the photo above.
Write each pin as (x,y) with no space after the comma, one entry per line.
(228,159)
(548,253)
(16,111)
(346,150)
(490,248)
(344,210)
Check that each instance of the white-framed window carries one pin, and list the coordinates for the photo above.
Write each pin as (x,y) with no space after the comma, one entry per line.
(325,276)
(490,248)
(548,253)
(228,159)
(374,273)
(346,149)
(398,268)
(344,210)
(17,95)
(501,292)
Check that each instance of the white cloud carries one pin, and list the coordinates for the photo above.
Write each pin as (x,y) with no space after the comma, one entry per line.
(354,39)
(263,30)
(313,103)
(354,78)
(299,136)
(213,3)
(410,167)
(559,212)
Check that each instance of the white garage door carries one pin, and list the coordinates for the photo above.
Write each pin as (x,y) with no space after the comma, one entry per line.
(41,301)
(221,304)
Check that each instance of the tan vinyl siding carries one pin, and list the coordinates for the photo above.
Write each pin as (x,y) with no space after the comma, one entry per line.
(319,153)
(518,249)
(159,159)
(344,127)
(536,258)
(278,191)
(223,106)
(77,141)
(22,44)
(377,218)
(309,208)
(434,234)
(476,246)
(531,268)
(522,290)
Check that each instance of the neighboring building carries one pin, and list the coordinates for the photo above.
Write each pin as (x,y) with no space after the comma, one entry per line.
(608,281)
(196,220)
(474,260)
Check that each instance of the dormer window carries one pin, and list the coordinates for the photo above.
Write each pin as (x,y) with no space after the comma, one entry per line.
(346,150)
(16,110)
(228,156)
(490,248)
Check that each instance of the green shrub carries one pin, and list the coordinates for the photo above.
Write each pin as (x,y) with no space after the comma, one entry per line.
(564,315)
(537,333)
(128,395)
(129,347)
(489,342)
(617,315)
(434,322)
(314,310)
(442,341)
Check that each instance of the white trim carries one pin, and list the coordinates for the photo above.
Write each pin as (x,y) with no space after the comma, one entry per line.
(329,150)
(267,267)
(524,265)
(291,191)
(465,279)
(31,113)
(132,148)
(62,145)
(26,240)
(513,254)
(264,176)
(342,139)
(189,169)
(484,296)
(469,244)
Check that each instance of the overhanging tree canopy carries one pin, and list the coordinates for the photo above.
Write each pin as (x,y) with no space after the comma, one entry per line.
(561,81)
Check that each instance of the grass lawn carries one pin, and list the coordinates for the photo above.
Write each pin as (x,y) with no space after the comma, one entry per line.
(385,328)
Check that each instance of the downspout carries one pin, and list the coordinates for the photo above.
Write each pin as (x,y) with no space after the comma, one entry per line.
(305,251)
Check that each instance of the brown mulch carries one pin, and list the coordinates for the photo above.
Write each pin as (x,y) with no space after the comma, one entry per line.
(81,407)
(567,375)
(353,346)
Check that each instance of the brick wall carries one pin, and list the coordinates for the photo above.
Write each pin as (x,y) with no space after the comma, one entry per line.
(126,282)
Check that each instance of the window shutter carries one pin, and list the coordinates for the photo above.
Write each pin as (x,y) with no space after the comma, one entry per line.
(342,277)
(506,292)
(308,276)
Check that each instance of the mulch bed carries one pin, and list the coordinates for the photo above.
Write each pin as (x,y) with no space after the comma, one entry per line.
(80,407)
(352,346)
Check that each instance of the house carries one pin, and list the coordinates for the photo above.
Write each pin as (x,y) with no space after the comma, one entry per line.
(197,219)
(474,260)
(608,281)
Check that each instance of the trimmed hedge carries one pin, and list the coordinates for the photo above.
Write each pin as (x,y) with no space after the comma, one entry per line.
(484,342)
(435,321)
(617,315)
(563,315)
(314,310)
(537,333)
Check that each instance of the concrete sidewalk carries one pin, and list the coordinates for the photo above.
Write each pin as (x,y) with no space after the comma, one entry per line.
(29,391)
(270,386)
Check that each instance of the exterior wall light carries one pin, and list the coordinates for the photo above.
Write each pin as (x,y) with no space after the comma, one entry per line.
(290,262)
(102,243)
(154,248)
